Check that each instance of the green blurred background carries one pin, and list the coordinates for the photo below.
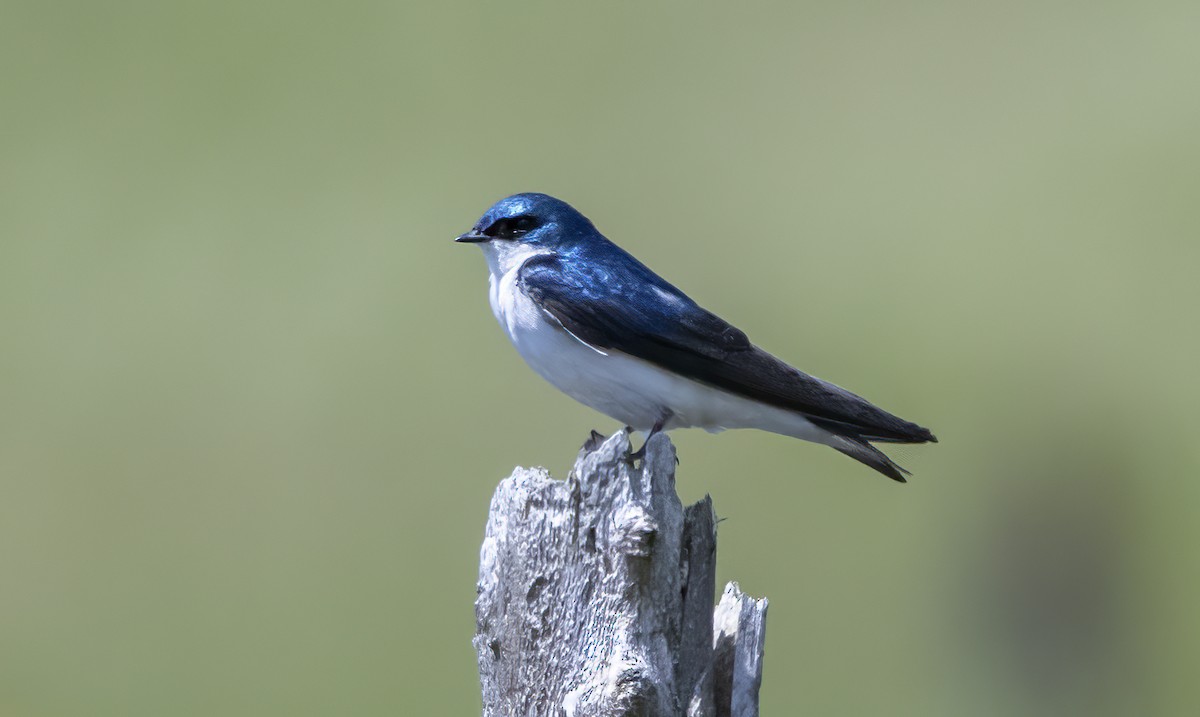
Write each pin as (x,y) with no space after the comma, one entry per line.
(253,403)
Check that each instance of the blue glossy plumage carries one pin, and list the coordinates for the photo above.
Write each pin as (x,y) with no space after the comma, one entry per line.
(605,297)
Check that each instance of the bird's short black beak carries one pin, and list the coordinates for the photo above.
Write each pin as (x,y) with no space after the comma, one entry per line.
(472,237)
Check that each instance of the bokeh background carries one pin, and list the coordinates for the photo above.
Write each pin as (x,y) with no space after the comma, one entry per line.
(253,403)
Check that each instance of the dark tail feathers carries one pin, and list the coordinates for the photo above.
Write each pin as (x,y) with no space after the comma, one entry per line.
(865,453)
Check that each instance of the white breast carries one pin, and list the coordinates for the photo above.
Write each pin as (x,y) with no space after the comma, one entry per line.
(628,389)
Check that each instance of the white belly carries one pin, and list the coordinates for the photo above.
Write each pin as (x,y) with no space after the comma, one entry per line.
(631,390)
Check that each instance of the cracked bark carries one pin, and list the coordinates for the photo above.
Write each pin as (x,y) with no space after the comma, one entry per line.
(595,597)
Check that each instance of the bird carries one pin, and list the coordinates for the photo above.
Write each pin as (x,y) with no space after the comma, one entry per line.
(604,329)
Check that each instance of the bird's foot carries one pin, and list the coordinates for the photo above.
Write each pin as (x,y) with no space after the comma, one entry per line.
(640,454)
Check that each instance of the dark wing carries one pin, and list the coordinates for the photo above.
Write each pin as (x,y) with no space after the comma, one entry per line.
(624,306)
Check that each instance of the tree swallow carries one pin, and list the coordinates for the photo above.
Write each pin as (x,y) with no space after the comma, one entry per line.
(605,330)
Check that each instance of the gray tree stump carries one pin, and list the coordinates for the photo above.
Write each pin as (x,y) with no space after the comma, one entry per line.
(596,596)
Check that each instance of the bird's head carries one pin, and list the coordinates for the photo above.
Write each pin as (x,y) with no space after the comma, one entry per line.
(519,226)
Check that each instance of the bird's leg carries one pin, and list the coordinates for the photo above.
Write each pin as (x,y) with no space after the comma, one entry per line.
(656,428)
(662,421)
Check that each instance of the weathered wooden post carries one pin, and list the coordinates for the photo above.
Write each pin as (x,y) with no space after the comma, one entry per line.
(596,596)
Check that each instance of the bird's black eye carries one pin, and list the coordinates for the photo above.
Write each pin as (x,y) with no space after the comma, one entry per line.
(512,228)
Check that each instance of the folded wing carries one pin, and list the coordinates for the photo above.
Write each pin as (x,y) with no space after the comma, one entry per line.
(626,307)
